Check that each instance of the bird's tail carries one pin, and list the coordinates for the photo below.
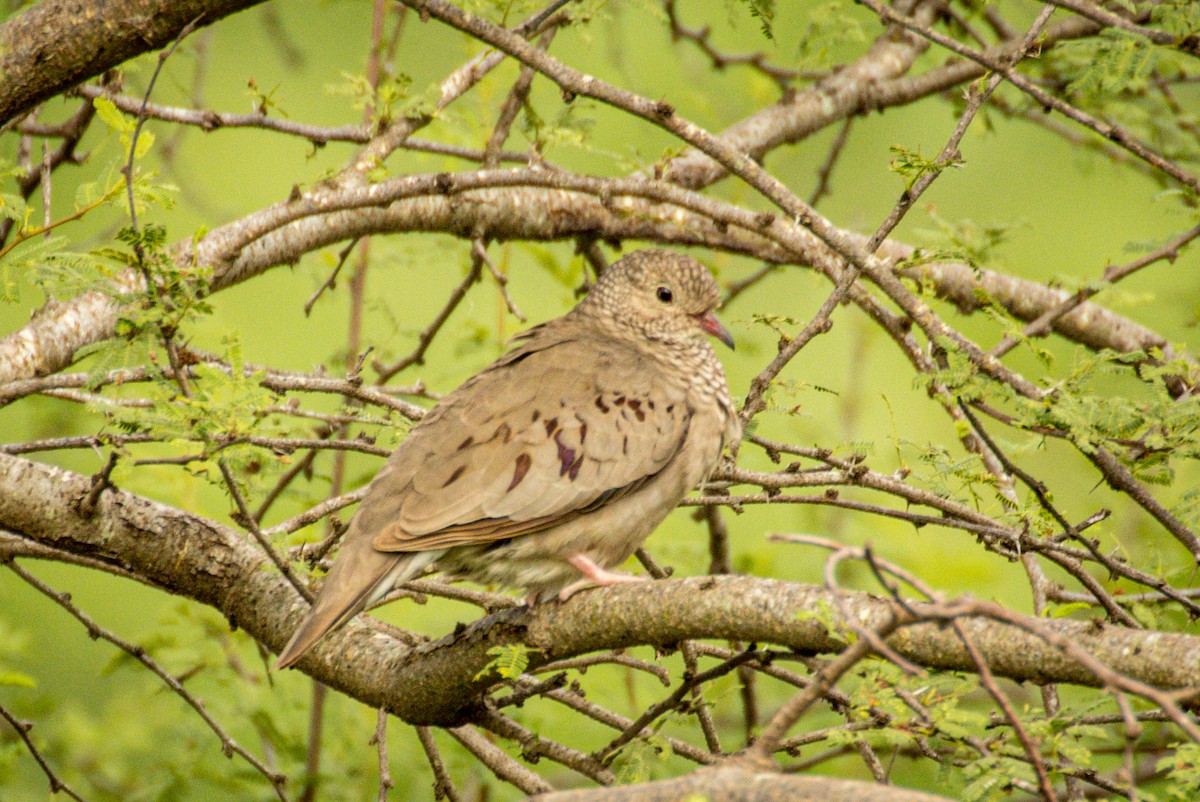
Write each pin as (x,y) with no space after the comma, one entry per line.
(359,578)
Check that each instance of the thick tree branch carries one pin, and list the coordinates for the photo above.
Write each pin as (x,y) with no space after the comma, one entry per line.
(264,239)
(503,205)
(54,45)
(437,683)
(737,782)
(875,81)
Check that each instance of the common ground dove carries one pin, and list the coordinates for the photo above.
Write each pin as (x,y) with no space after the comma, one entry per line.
(554,463)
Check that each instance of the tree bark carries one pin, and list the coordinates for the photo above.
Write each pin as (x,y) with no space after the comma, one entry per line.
(439,683)
(738,783)
(50,47)
(49,342)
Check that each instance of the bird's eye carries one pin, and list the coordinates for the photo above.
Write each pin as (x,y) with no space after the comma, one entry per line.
(664,294)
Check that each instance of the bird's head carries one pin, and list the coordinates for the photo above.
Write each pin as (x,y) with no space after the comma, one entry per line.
(659,295)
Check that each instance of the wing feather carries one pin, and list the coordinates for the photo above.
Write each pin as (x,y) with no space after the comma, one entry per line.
(492,463)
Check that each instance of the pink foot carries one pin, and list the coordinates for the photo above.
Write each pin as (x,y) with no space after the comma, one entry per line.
(593,576)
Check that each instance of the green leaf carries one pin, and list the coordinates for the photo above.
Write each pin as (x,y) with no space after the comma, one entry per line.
(1183,772)
(17,679)
(1107,64)
(831,620)
(1064,610)
(911,165)
(112,117)
(145,141)
(764,12)
(1178,17)
(8,284)
(828,26)
(509,661)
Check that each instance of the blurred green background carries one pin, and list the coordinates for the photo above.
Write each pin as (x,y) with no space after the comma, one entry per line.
(1068,215)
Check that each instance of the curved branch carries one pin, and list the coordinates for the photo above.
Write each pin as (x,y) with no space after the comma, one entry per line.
(517,204)
(734,782)
(873,82)
(54,45)
(49,342)
(439,683)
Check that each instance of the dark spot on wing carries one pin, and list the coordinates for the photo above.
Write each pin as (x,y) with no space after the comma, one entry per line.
(454,476)
(504,432)
(619,400)
(636,406)
(551,424)
(625,444)
(582,433)
(537,413)
(523,463)
(600,403)
(465,443)
(566,456)
(574,471)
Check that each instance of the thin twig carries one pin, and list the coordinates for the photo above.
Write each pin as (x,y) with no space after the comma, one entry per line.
(246,519)
(578,703)
(229,746)
(379,740)
(479,251)
(1110,19)
(698,706)
(46,190)
(22,729)
(823,681)
(988,680)
(141,120)
(208,120)
(443,786)
(950,156)
(758,61)
(671,702)
(1112,274)
(312,742)
(534,747)
(425,338)
(518,96)
(331,282)
(498,762)
(826,171)
(1110,131)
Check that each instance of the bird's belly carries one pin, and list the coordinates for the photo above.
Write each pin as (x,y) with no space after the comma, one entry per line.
(504,566)
(538,563)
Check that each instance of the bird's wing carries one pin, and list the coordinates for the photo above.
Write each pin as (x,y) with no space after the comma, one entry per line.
(543,436)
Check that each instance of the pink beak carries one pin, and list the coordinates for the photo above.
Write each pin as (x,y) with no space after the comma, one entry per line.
(709,323)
